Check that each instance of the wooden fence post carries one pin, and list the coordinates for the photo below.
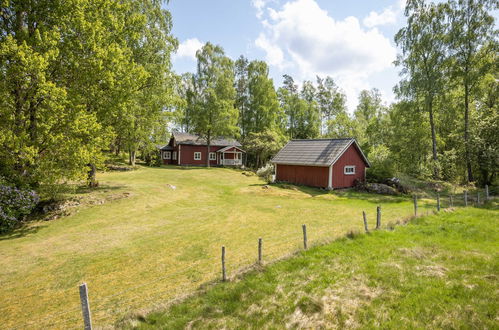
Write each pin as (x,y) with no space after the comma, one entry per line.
(224,275)
(365,221)
(378,217)
(486,192)
(260,250)
(438,202)
(477,198)
(85,307)
(466,198)
(304,227)
(451,201)
(415,205)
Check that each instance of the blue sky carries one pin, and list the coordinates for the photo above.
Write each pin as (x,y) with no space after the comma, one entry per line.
(352,41)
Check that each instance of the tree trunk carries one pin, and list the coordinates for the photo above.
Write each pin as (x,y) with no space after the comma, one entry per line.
(433,139)
(91,177)
(208,143)
(466,133)
(131,157)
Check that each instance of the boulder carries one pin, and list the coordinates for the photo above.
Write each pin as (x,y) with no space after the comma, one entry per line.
(380,188)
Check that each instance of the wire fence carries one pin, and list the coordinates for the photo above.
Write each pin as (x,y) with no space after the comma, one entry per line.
(275,248)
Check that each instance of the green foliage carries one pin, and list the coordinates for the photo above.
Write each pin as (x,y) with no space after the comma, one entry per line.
(15,204)
(266,172)
(371,120)
(213,112)
(382,166)
(423,59)
(301,110)
(448,51)
(76,75)
(264,145)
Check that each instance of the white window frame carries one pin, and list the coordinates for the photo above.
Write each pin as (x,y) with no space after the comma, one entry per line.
(213,156)
(174,156)
(197,155)
(167,155)
(347,167)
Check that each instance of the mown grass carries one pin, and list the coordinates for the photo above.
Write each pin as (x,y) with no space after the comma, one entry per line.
(148,243)
(439,271)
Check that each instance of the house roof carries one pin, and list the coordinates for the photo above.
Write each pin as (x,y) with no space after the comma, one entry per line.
(186,138)
(319,152)
(230,147)
(167,147)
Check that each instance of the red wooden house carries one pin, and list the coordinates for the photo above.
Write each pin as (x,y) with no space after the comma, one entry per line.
(188,149)
(325,163)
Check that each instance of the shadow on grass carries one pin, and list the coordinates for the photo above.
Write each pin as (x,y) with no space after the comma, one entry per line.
(104,188)
(312,192)
(20,232)
(346,193)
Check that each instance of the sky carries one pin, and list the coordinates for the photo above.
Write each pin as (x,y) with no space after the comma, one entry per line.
(349,40)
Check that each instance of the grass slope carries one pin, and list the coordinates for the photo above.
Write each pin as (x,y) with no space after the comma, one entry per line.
(159,242)
(437,272)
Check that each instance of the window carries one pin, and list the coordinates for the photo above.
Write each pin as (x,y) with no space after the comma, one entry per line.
(349,169)
(167,155)
(174,155)
(197,156)
(213,156)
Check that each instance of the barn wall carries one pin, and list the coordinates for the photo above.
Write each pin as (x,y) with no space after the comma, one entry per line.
(171,161)
(187,155)
(350,157)
(306,175)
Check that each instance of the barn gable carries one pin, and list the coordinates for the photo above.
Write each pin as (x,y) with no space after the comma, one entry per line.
(319,152)
(326,163)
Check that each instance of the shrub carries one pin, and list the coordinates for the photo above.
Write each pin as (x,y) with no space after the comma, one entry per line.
(266,172)
(382,166)
(14,205)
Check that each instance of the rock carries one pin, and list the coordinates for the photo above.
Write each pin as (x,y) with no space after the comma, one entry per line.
(265,187)
(395,183)
(172,187)
(123,168)
(380,188)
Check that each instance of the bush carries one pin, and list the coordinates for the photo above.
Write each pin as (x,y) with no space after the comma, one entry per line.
(382,167)
(266,172)
(14,205)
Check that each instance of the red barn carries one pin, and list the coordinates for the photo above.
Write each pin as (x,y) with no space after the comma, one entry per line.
(324,163)
(189,149)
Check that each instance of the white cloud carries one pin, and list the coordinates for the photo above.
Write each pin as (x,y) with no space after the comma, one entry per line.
(303,38)
(275,55)
(188,48)
(386,17)
(260,6)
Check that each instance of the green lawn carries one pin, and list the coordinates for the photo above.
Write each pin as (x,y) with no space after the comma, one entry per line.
(158,243)
(439,271)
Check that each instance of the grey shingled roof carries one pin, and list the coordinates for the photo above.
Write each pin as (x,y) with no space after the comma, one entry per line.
(320,152)
(186,138)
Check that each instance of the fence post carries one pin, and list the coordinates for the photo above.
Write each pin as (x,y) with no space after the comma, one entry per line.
(304,236)
(365,221)
(378,217)
(477,198)
(450,200)
(466,198)
(85,307)
(438,202)
(415,205)
(260,250)
(224,275)
(486,192)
